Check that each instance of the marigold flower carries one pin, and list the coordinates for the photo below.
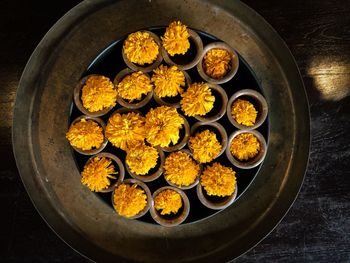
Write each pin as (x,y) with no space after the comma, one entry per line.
(85,135)
(141,158)
(217,62)
(244,112)
(169,201)
(245,146)
(129,200)
(218,180)
(197,100)
(98,93)
(205,146)
(163,126)
(168,81)
(134,85)
(141,48)
(180,169)
(125,130)
(97,172)
(175,40)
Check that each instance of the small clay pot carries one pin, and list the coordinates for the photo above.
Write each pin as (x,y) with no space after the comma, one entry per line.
(78,102)
(258,101)
(153,176)
(234,63)
(105,141)
(149,67)
(147,191)
(219,202)
(116,160)
(197,178)
(137,103)
(199,50)
(252,162)
(223,105)
(176,219)
(219,130)
(162,101)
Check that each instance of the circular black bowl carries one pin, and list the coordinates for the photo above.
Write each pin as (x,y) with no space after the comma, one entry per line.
(106,64)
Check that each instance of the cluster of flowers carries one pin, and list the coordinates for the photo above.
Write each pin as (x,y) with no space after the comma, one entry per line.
(141,137)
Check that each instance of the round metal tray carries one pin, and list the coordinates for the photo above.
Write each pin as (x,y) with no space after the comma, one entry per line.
(45,159)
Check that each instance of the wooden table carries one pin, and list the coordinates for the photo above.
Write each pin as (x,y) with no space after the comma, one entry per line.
(317,227)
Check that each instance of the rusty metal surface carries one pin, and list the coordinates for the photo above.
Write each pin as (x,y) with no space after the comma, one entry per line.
(49,172)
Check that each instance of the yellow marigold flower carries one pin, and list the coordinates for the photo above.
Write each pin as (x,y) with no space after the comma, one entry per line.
(129,200)
(163,126)
(98,93)
(175,40)
(134,85)
(169,201)
(244,112)
(85,135)
(124,130)
(216,63)
(218,180)
(141,158)
(141,48)
(168,82)
(205,146)
(245,146)
(180,169)
(197,100)
(96,174)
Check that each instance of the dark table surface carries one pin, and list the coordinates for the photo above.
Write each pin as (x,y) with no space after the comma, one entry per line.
(317,227)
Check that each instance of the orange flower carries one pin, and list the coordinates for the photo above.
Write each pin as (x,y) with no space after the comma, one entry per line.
(169,201)
(205,146)
(244,112)
(129,200)
(141,158)
(125,130)
(163,126)
(85,135)
(218,180)
(168,81)
(197,100)
(98,93)
(180,169)
(245,146)
(141,48)
(134,85)
(216,63)
(96,174)
(175,39)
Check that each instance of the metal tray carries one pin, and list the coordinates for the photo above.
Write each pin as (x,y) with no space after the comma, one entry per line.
(46,163)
